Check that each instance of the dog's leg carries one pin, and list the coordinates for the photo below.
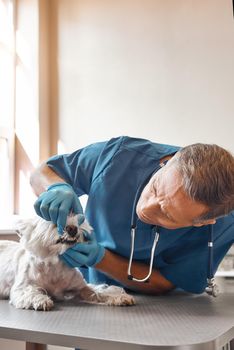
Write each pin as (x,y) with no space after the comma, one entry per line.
(30,297)
(107,295)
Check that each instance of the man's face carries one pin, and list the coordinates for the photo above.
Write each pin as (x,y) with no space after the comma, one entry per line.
(163,202)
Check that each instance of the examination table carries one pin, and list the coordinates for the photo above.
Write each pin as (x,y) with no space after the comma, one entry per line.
(176,321)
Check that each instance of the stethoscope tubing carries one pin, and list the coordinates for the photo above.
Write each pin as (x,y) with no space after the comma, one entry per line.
(210,273)
(145,279)
(133,232)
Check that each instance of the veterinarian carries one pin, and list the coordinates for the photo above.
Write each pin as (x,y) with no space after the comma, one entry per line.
(180,193)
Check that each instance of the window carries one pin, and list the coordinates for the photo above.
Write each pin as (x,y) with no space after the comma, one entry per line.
(25,106)
(7,59)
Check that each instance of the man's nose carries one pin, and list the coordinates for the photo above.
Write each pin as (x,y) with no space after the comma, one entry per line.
(71,230)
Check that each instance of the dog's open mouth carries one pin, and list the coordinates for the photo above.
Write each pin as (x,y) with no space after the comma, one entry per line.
(66,240)
(71,237)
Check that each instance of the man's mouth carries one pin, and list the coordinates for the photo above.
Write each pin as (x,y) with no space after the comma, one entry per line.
(144,218)
(147,220)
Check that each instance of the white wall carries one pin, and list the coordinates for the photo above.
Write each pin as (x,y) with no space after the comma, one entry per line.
(6,344)
(159,69)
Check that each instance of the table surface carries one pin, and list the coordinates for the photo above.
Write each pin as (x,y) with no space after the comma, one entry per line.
(178,321)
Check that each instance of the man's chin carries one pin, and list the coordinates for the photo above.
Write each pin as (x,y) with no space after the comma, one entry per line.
(143,218)
(146,220)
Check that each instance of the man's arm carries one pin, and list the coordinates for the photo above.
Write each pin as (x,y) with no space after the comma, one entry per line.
(116,267)
(43,177)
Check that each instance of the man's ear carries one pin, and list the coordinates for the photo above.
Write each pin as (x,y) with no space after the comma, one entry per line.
(205,222)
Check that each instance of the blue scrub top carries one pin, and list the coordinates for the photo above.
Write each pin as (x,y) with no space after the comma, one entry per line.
(110,174)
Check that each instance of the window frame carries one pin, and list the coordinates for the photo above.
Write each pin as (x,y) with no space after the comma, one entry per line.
(46,95)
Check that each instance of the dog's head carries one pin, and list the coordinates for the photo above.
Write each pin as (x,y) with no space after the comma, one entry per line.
(41,237)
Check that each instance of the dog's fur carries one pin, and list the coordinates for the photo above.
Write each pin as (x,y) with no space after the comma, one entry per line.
(32,276)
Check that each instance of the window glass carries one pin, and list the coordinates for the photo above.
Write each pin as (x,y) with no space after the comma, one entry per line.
(7,57)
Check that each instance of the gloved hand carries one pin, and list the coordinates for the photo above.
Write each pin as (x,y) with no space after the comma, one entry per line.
(56,203)
(88,253)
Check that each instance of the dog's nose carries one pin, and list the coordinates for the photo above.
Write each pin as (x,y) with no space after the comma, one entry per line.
(71,230)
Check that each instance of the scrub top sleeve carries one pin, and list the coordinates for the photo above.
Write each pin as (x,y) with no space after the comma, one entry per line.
(187,266)
(188,271)
(224,241)
(78,168)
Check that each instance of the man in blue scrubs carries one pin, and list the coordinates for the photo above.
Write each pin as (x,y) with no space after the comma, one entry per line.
(184,192)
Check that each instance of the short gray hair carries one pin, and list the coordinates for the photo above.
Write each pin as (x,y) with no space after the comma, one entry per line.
(207,172)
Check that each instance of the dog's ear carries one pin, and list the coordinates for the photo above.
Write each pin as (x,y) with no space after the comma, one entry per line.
(23,226)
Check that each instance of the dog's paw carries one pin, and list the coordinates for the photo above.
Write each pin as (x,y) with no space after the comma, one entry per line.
(120,300)
(115,296)
(39,302)
(42,303)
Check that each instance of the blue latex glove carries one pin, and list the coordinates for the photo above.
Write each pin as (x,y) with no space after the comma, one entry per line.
(88,253)
(56,203)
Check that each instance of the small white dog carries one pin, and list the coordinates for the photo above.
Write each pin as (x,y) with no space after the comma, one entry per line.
(32,275)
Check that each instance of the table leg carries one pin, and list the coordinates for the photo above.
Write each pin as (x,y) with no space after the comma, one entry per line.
(34,346)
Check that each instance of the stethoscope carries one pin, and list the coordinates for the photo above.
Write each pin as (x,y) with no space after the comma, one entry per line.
(211,289)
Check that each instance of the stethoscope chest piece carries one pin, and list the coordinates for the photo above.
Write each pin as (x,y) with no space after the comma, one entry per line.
(212,289)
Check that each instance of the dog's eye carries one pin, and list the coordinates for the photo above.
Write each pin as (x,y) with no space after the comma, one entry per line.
(71,230)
